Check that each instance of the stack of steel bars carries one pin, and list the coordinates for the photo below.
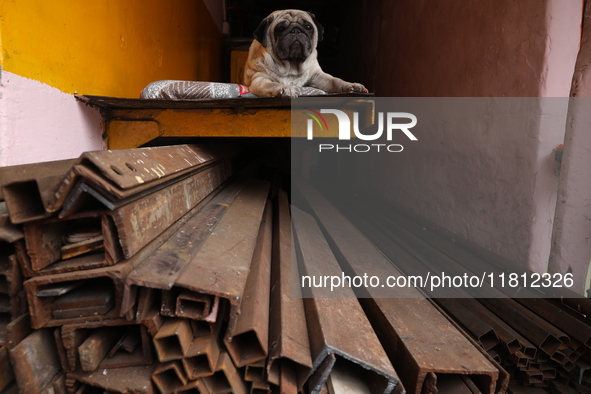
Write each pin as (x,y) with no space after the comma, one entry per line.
(164,270)
(160,270)
(543,339)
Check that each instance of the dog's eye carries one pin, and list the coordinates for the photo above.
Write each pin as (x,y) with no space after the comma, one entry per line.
(279,29)
(308,26)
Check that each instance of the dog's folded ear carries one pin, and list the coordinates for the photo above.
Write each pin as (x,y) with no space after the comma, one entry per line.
(261,34)
(319,27)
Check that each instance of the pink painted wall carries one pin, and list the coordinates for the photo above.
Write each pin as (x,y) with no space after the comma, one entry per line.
(490,182)
(40,123)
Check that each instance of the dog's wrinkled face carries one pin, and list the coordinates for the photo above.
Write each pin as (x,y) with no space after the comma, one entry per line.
(290,34)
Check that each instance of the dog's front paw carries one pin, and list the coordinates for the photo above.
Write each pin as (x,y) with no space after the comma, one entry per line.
(353,87)
(286,91)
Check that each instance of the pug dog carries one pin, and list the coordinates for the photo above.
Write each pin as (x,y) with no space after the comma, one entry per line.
(283,57)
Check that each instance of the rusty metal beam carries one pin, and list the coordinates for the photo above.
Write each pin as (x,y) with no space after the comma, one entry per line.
(337,325)
(226,379)
(126,172)
(229,249)
(129,380)
(255,372)
(113,275)
(483,332)
(522,324)
(575,328)
(28,188)
(163,267)
(35,361)
(169,377)
(141,221)
(17,330)
(512,340)
(6,373)
(410,327)
(249,340)
(288,334)
(203,354)
(173,339)
(102,345)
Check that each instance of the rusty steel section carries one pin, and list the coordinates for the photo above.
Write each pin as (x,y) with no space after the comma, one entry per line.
(169,377)
(128,380)
(536,334)
(113,278)
(94,295)
(564,321)
(11,279)
(202,357)
(410,328)
(6,373)
(513,342)
(173,339)
(28,189)
(221,266)
(483,332)
(288,334)
(141,221)
(35,361)
(226,378)
(353,342)
(249,340)
(163,267)
(85,241)
(126,172)
(105,345)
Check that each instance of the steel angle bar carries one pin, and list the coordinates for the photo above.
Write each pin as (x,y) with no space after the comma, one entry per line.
(28,189)
(337,325)
(248,342)
(226,379)
(142,220)
(163,267)
(128,380)
(288,334)
(475,326)
(411,328)
(35,361)
(125,172)
(523,325)
(173,339)
(221,266)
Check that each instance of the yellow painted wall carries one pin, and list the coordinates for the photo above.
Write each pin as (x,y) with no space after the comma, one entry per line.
(109,47)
